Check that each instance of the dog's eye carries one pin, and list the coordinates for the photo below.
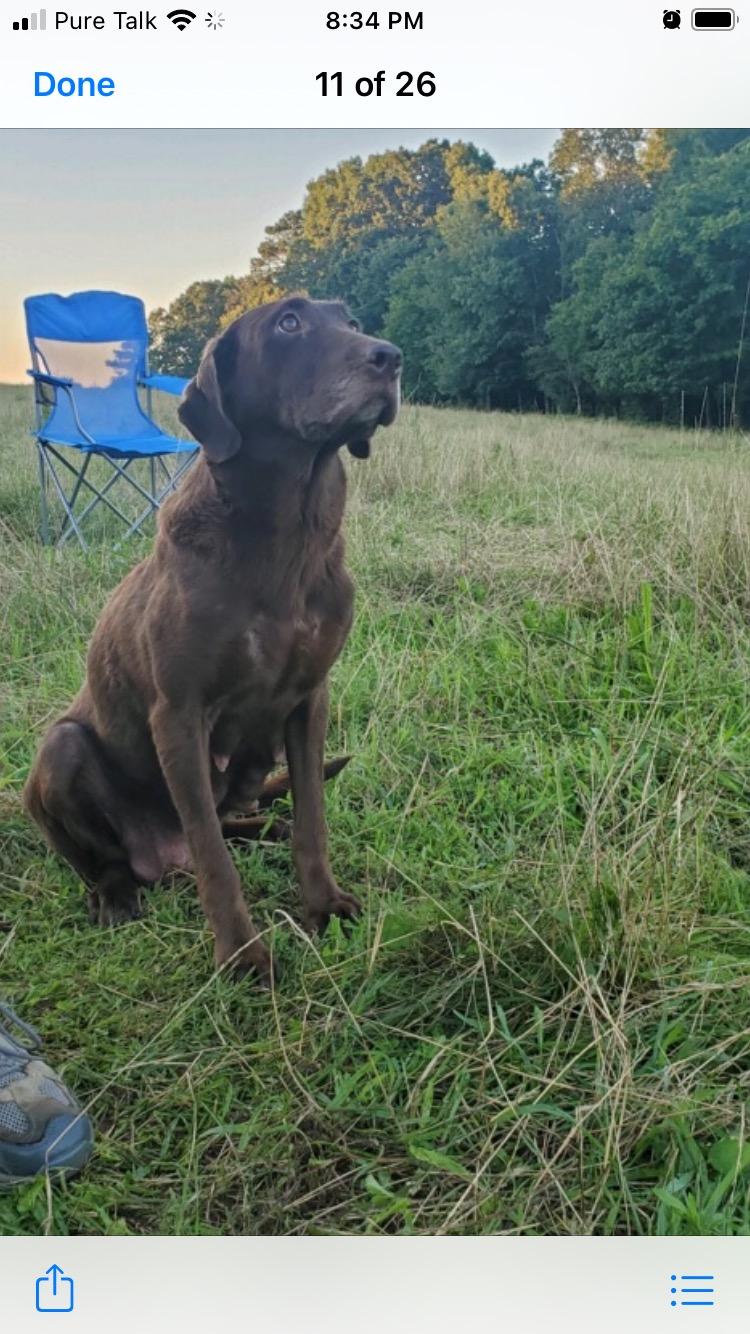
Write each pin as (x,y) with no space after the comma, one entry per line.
(355,325)
(289,323)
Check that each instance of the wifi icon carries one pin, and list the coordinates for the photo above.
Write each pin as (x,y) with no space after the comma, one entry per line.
(181,18)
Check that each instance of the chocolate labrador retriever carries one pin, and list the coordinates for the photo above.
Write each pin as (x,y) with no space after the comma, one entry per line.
(209,663)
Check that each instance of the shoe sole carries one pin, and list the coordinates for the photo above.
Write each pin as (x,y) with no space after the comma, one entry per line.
(65,1162)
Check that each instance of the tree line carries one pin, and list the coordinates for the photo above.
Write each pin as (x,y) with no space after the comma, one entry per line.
(613,279)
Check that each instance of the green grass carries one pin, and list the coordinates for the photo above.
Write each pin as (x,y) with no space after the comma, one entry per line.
(542,1023)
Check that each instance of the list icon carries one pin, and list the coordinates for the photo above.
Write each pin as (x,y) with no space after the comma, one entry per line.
(690,1294)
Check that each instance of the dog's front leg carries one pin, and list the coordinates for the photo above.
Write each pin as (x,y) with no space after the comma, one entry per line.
(305,739)
(181,743)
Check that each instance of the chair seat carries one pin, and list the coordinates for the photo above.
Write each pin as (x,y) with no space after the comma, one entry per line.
(145,446)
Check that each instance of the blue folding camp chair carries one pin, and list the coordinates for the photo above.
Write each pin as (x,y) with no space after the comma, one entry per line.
(89,353)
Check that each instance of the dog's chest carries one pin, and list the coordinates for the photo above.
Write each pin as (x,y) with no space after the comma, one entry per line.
(272,667)
(274,662)
(292,656)
(276,647)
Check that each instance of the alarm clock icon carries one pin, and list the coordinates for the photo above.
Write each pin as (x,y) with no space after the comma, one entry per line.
(671,18)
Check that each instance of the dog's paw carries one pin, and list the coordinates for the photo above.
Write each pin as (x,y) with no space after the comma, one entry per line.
(252,958)
(320,910)
(278,831)
(110,910)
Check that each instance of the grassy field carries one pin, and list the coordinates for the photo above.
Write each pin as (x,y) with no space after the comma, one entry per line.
(542,1023)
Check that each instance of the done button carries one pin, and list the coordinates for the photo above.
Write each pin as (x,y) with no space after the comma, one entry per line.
(713,20)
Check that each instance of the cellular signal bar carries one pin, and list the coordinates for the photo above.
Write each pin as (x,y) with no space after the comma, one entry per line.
(32,23)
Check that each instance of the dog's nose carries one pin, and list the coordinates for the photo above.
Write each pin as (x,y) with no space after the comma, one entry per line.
(386,358)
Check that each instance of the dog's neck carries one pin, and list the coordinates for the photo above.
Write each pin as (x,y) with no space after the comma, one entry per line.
(282,496)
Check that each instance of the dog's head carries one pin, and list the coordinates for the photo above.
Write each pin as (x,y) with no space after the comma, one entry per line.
(296,368)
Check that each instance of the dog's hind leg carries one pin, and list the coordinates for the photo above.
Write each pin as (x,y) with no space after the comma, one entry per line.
(276,788)
(255,827)
(68,794)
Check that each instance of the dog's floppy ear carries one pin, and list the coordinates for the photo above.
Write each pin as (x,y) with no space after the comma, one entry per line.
(202,411)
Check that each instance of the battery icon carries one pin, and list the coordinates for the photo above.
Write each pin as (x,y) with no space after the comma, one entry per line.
(713,20)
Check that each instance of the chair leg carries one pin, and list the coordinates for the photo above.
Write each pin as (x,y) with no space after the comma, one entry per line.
(72,522)
(43,493)
(69,524)
(157,497)
(101,496)
(80,481)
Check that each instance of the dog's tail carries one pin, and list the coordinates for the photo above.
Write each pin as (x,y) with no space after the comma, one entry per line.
(281,784)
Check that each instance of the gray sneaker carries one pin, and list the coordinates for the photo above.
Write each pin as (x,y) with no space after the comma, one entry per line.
(42,1127)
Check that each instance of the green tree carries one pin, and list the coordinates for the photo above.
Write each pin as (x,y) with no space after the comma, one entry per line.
(583,159)
(362,220)
(360,275)
(179,334)
(678,151)
(564,363)
(603,189)
(245,294)
(279,241)
(675,311)
(662,314)
(394,193)
(467,307)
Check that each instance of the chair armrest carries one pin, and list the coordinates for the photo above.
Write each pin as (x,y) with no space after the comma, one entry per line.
(55,380)
(168,384)
(60,382)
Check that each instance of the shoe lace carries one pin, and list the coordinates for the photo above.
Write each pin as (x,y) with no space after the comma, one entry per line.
(14,1021)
